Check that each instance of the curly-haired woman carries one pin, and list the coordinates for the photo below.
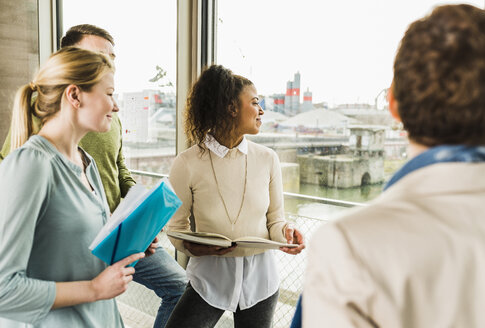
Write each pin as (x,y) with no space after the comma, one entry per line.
(233,187)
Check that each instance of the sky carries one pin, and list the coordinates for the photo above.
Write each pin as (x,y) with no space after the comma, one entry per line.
(344,50)
(145,34)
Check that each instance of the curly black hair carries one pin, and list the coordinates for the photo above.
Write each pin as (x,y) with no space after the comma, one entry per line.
(212,102)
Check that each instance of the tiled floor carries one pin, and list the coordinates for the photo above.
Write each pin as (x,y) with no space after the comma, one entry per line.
(134,318)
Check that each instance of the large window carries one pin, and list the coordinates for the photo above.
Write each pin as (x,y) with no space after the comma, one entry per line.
(322,69)
(145,35)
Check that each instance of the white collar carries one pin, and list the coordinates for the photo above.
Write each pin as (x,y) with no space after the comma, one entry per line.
(221,150)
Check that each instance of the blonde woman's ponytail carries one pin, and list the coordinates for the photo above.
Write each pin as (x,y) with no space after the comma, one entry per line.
(21,126)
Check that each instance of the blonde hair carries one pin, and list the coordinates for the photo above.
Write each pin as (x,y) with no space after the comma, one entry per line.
(42,97)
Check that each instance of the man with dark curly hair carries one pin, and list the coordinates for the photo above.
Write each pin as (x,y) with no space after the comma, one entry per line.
(415,256)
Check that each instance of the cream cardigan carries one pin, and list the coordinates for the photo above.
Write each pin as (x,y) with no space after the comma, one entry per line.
(262,214)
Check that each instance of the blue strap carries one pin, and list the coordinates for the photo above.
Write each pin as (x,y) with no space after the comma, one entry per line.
(440,154)
(296,322)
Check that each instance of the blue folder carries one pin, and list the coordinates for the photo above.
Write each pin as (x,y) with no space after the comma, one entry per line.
(141,226)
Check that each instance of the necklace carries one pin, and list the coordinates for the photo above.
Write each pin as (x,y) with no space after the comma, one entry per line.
(220,194)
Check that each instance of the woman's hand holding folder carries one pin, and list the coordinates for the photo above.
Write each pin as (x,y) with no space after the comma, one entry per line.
(110,283)
(114,280)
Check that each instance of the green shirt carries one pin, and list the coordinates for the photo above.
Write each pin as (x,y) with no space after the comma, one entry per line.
(106,149)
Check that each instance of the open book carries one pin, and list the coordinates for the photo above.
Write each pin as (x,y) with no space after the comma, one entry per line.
(215,239)
(136,222)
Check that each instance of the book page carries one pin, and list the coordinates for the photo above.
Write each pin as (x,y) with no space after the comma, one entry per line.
(204,238)
(205,234)
(133,198)
(215,239)
(257,242)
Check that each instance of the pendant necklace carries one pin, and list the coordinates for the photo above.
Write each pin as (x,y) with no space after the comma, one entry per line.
(220,194)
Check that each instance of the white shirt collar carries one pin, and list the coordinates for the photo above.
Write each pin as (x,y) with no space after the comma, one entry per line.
(221,150)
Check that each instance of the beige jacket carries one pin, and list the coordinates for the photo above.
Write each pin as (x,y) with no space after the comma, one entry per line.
(414,258)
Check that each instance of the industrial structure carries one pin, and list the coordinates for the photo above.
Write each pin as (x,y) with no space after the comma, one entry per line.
(289,102)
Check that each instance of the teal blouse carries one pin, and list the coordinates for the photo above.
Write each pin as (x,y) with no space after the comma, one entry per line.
(48,218)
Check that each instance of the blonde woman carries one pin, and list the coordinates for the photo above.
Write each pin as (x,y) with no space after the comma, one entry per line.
(233,187)
(52,202)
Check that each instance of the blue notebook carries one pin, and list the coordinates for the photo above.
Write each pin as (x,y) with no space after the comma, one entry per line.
(132,229)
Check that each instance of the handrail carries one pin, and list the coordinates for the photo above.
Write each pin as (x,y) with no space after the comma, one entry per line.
(149,174)
(328,201)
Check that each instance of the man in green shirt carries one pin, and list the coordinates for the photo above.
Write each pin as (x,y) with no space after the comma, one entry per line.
(159,271)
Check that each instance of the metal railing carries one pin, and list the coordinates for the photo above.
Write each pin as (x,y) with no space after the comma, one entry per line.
(149,174)
(322,200)
(139,305)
